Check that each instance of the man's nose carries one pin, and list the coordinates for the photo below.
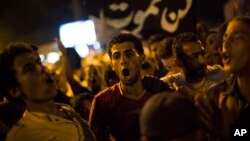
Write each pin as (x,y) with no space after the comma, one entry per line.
(124,60)
(226,44)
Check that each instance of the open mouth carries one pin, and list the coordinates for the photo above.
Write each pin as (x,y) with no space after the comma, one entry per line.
(125,72)
(226,58)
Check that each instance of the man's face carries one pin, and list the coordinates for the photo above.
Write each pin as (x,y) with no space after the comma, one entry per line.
(158,48)
(35,82)
(126,62)
(93,76)
(194,61)
(235,49)
(170,64)
(211,43)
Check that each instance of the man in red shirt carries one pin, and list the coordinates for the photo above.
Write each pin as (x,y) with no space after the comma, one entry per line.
(116,110)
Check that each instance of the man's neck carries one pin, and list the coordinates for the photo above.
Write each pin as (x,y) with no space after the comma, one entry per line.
(136,90)
(45,107)
(244,84)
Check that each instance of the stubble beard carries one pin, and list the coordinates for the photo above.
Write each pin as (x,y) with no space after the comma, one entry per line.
(133,80)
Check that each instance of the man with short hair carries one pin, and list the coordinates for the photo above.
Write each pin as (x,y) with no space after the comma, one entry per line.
(229,102)
(189,55)
(116,109)
(22,75)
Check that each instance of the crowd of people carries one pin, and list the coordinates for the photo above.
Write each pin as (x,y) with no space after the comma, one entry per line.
(190,87)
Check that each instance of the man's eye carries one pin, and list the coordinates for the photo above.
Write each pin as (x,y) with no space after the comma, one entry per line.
(116,56)
(30,68)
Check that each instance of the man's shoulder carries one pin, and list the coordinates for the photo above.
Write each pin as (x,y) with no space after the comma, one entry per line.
(153,84)
(108,94)
(105,92)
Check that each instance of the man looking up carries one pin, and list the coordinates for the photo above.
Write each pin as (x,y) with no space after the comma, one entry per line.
(23,75)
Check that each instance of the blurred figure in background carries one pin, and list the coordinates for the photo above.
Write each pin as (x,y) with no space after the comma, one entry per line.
(110,76)
(212,49)
(202,31)
(170,117)
(168,59)
(93,78)
(156,46)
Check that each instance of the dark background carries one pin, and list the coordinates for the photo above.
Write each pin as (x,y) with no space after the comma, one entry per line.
(37,21)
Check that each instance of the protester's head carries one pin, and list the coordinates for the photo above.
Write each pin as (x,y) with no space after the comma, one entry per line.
(213,49)
(93,76)
(157,46)
(202,31)
(169,116)
(168,59)
(148,67)
(23,75)
(236,46)
(190,55)
(126,54)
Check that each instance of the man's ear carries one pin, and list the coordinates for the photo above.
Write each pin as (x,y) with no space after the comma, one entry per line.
(15,92)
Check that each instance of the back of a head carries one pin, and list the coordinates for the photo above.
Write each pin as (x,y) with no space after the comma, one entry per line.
(126,37)
(7,57)
(179,40)
(167,116)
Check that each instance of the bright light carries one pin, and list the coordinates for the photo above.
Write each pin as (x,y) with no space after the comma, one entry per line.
(42,57)
(77,33)
(97,46)
(82,50)
(52,57)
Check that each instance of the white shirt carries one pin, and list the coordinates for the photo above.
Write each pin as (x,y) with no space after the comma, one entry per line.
(36,126)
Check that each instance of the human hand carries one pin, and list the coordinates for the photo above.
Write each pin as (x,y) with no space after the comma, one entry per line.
(60,46)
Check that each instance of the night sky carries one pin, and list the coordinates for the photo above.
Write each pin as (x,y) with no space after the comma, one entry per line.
(33,21)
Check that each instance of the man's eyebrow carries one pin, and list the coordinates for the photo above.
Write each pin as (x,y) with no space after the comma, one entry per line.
(116,51)
(25,66)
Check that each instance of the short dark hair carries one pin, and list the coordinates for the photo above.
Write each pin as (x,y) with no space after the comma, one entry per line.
(8,78)
(126,37)
(168,115)
(177,46)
